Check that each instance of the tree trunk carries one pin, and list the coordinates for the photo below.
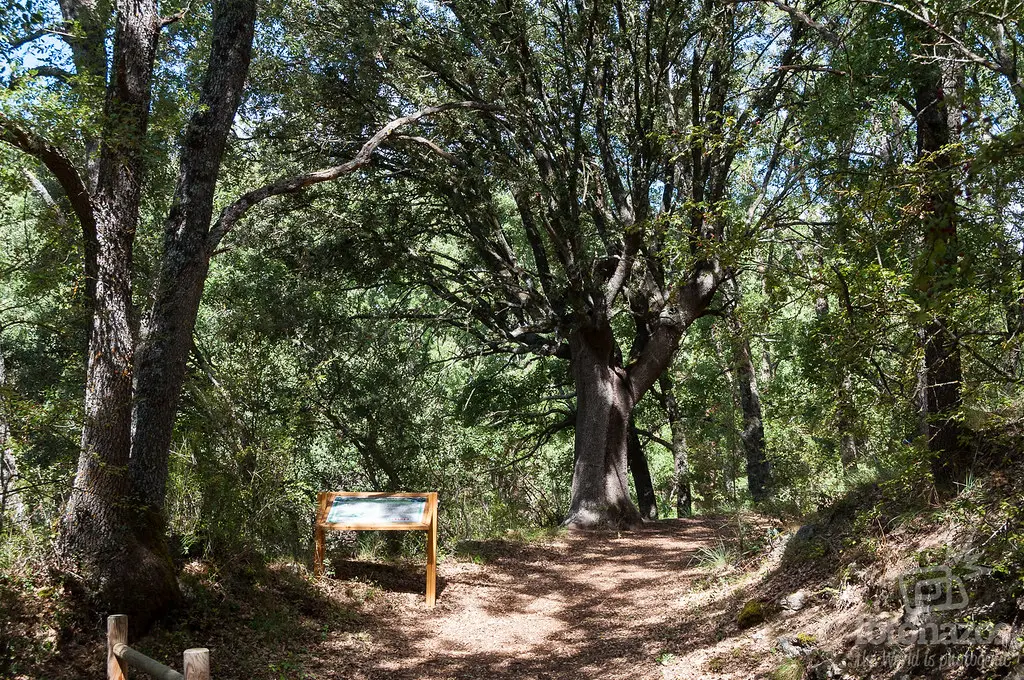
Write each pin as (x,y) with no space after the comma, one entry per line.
(636,461)
(846,411)
(167,333)
(1015,315)
(759,476)
(112,535)
(680,451)
(938,272)
(846,422)
(89,55)
(604,406)
(9,499)
(119,553)
(921,388)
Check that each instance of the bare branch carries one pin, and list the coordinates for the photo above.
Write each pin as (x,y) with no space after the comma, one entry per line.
(803,18)
(290,185)
(423,141)
(33,36)
(44,71)
(631,246)
(59,165)
(44,194)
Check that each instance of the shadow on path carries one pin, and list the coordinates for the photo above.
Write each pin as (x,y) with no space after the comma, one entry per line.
(583,605)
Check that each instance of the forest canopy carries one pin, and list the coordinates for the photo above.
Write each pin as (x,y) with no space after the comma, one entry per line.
(568,263)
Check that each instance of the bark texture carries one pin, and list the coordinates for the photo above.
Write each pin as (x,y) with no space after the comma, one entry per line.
(681,489)
(10,501)
(167,331)
(117,552)
(607,392)
(939,272)
(759,471)
(759,477)
(636,461)
(112,536)
(604,405)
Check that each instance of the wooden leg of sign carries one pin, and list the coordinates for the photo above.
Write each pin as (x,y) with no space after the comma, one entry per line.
(318,552)
(197,664)
(319,541)
(432,560)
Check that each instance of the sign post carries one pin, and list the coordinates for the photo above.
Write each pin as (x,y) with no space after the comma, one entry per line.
(373,511)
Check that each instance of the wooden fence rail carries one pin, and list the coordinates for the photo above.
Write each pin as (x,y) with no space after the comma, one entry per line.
(120,656)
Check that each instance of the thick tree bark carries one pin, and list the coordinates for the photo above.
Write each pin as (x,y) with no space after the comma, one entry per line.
(606,394)
(10,501)
(119,556)
(112,534)
(759,473)
(636,461)
(167,332)
(938,272)
(680,451)
(604,406)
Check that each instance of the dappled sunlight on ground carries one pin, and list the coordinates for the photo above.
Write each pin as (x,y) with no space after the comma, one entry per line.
(577,606)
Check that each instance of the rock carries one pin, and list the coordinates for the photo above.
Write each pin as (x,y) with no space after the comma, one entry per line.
(805,533)
(827,670)
(751,614)
(789,648)
(1017,673)
(794,601)
(852,595)
(856,573)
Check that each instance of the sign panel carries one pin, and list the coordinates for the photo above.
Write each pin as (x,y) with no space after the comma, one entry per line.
(380,510)
(376,511)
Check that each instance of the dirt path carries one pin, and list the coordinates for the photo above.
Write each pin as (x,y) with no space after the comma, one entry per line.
(579,606)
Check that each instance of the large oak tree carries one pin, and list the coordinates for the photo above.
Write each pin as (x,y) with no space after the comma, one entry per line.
(594,207)
(112,536)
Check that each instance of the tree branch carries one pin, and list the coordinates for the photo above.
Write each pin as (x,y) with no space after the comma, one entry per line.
(805,19)
(970,54)
(65,172)
(43,71)
(290,185)
(423,141)
(650,436)
(35,35)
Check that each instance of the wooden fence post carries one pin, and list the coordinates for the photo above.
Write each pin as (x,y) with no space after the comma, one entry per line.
(117,633)
(197,664)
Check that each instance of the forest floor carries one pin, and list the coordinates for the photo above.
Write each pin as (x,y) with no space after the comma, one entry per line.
(573,605)
(653,603)
(583,605)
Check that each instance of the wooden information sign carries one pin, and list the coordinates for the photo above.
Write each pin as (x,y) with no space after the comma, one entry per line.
(373,511)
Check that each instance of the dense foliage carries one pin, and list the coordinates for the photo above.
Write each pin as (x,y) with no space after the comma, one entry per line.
(404,327)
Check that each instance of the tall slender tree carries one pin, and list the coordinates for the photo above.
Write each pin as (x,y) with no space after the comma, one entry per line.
(112,535)
(936,89)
